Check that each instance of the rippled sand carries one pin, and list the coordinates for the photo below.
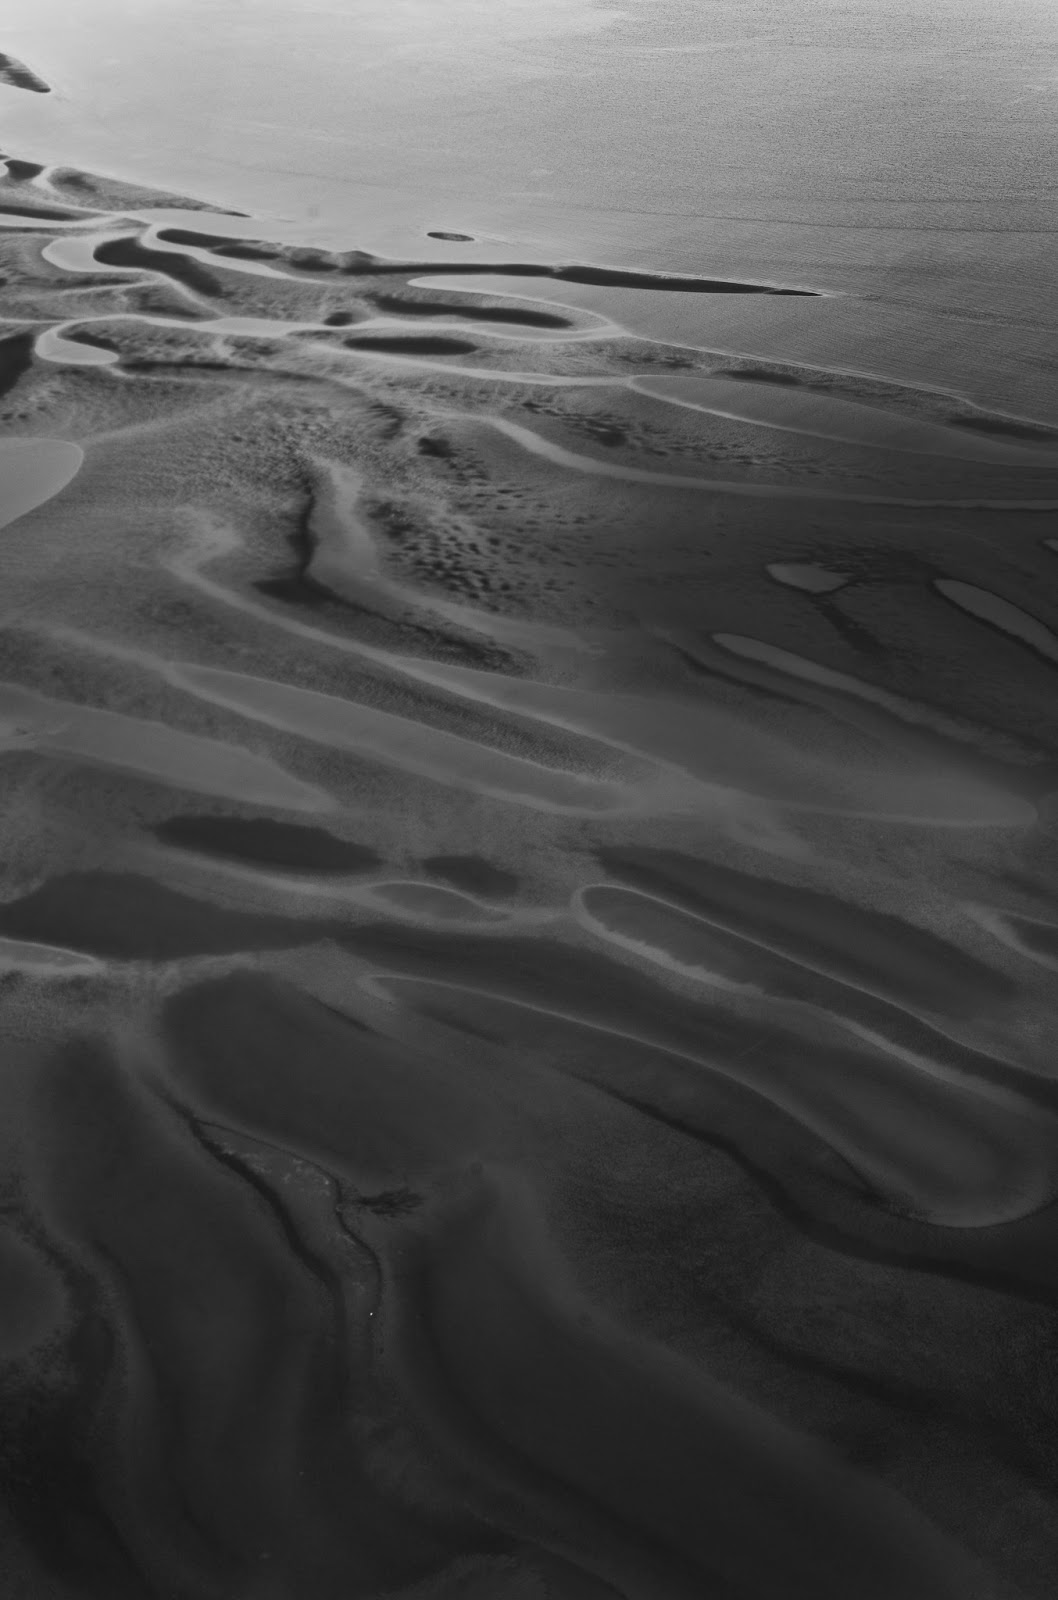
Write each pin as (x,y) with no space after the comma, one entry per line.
(527,939)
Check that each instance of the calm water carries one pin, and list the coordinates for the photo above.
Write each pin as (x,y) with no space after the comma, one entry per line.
(900,151)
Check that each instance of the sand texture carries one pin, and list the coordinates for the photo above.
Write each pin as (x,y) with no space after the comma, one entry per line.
(528,947)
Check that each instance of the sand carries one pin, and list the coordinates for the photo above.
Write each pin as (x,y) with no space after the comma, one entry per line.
(527,939)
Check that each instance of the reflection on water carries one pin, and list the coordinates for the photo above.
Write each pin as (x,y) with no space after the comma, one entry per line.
(527,784)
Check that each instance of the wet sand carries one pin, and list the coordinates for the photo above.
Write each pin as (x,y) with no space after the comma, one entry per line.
(527,936)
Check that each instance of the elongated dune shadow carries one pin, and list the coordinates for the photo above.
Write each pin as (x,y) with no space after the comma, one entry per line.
(129,252)
(260,841)
(404,306)
(39,209)
(411,344)
(16,359)
(127,917)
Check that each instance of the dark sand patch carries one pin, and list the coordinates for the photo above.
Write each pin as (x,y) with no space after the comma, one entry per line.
(758,375)
(125,917)
(1032,433)
(44,212)
(191,236)
(16,358)
(246,252)
(23,171)
(128,252)
(473,874)
(397,306)
(262,842)
(112,193)
(361,263)
(603,277)
(96,340)
(411,346)
(667,283)
(189,367)
(1039,937)
(872,949)
(453,238)
(17,75)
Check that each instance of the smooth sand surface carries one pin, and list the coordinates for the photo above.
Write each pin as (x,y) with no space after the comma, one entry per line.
(31,471)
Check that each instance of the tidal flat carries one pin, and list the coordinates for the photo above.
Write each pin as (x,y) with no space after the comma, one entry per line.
(528,950)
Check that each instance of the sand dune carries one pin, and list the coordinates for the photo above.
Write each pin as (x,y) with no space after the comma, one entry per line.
(526,930)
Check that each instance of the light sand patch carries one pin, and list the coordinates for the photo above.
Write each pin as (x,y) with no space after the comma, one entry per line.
(806,576)
(45,960)
(384,736)
(429,752)
(150,750)
(1001,614)
(33,471)
(52,346)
